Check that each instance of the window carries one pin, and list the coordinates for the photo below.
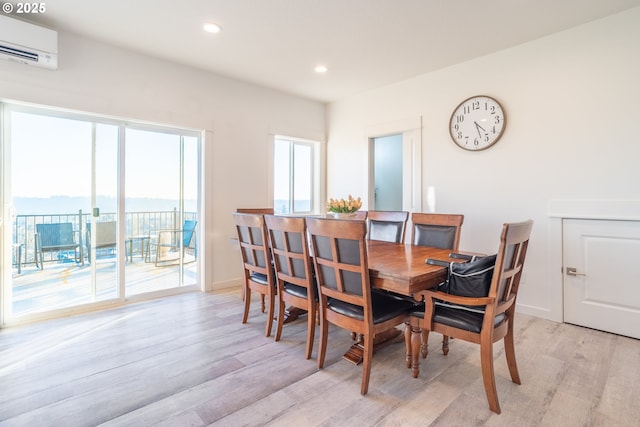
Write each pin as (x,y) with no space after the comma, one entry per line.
(294,182)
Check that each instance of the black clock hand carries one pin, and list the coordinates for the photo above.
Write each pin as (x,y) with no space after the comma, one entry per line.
(478,127)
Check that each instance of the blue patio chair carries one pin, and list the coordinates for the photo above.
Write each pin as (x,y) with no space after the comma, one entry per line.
(167,243)
(58,237)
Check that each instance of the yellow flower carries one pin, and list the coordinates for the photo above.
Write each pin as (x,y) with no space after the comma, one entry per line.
(344,206)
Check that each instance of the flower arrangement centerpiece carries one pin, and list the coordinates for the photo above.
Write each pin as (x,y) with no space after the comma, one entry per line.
(341,206)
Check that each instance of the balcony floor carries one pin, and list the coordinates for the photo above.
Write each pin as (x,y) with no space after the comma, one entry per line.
(63,284)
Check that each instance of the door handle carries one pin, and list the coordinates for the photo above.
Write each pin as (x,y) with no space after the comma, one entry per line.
(572,271)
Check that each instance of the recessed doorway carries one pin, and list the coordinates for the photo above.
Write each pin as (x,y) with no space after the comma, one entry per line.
(395,166)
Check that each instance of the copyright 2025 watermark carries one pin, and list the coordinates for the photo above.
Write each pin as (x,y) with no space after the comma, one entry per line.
(24,8)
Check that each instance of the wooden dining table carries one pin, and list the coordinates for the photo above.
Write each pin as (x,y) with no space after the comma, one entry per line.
(401,269)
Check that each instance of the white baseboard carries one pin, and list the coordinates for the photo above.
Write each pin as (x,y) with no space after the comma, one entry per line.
(542,313)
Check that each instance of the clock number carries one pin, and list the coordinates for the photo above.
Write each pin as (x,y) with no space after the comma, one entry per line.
(498,119)
(460,118)
(476,105)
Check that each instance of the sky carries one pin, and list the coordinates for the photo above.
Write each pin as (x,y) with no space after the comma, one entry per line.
(52,156)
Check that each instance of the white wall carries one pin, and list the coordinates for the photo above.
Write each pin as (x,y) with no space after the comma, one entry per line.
(238,117)
(573,106)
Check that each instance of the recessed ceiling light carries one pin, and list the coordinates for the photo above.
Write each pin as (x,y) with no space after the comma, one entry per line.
(212,28)
(321,69)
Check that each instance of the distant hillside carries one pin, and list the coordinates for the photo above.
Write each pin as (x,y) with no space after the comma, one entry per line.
(66,204)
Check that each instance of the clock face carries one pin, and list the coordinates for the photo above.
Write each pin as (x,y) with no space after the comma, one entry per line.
(477,123)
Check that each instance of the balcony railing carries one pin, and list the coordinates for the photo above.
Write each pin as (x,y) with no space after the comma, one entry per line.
(136,224)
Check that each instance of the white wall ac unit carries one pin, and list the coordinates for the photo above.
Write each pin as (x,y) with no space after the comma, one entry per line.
(28,43)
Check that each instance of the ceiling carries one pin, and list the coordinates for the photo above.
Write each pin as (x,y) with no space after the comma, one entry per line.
(364,43)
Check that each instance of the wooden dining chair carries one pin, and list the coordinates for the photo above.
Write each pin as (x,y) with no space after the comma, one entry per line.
(264,211)
(342,274)
(440,231)
(388,226)
(483,320)
(294,271)
(256,259)
(437,230)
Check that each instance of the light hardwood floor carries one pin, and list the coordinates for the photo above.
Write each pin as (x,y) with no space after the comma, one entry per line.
(187,360)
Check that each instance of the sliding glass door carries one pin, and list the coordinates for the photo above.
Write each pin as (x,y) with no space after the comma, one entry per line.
(94,210)
(161,197)
(60,169)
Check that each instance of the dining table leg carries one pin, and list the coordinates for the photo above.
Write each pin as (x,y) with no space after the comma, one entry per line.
(355,354)
(292,313)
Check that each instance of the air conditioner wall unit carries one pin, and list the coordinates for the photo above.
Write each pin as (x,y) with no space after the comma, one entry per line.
(28,43)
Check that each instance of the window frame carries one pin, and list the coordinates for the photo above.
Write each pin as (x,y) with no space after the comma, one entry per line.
(314,178)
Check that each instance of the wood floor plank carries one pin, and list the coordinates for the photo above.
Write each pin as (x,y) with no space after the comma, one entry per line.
(622,382)
(187,360)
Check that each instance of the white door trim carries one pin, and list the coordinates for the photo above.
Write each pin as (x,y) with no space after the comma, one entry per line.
(595,209)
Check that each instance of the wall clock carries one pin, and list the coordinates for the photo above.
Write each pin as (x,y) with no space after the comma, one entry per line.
(477,123)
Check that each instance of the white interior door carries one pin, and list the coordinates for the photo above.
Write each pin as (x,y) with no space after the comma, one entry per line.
(601,275)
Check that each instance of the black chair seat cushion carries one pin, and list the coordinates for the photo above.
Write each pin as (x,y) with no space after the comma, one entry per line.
(295,290)
(259,278)
(384,307)
(398,297)
(458,316)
